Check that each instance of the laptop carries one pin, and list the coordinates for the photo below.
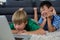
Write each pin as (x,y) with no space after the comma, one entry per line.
(5,31)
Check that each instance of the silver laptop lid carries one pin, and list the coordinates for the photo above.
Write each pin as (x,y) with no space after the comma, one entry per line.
(5,32)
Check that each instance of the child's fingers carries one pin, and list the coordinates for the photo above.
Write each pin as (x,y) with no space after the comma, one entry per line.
(35,8)
(49,13)
(54,11)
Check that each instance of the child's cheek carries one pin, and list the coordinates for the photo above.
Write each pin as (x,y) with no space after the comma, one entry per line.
(16,27)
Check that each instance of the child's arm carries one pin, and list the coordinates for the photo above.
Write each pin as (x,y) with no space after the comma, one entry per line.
(51,28)
(43,23)
(35,14)
(14,31)
(39,31)
(18,32)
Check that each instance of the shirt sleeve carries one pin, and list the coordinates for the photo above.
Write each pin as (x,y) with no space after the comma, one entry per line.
(40,21)
(56,22)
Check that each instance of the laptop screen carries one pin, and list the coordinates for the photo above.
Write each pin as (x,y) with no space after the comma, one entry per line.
(5,31)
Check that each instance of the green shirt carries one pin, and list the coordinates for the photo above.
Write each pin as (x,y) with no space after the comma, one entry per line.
(31,25)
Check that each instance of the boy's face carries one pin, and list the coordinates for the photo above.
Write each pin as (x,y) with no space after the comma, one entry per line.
(20,27)
(44,10)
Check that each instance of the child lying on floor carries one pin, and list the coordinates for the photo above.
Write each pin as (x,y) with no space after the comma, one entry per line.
(23,24)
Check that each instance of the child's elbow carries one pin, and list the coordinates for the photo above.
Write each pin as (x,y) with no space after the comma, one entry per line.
(52,30)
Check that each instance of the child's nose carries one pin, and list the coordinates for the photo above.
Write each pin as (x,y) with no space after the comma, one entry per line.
(16,27)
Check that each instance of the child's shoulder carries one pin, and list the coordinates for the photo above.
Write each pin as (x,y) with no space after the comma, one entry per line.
(11,26)
(30,20)
(32,24)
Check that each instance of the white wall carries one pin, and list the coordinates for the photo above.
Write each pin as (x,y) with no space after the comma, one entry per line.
(3,0)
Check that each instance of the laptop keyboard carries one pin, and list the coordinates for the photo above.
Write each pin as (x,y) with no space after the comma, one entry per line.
(19,38)
(22,37)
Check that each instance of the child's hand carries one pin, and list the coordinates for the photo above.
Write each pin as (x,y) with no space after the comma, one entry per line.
(23,31)
(54,11)
(14,31)
(35,9)
(44,19)
(51,12)
(43,15)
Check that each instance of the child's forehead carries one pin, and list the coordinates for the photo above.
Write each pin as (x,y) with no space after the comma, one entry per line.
(43,7)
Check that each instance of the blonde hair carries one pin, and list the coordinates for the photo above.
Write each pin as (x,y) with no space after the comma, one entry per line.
(19,17)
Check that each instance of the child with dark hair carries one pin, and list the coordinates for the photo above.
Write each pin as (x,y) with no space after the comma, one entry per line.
(49,20)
